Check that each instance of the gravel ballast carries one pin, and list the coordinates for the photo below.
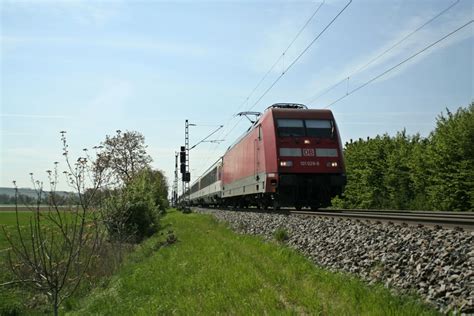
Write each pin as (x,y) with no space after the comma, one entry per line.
(436,263)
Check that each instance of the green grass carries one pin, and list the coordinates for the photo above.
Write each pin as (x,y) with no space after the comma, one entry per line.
(212,270)
(14,297)
(11,298)
(8,219)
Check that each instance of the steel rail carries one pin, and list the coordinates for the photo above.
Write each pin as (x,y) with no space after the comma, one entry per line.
(404,212)
(457,220)
(443,219)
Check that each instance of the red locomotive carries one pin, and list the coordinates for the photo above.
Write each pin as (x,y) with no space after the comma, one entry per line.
(291,156)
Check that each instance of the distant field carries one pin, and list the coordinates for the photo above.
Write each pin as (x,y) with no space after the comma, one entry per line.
(8,219)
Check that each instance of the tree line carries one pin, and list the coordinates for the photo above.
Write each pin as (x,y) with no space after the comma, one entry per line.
(414,172)
(23,199)
(10,199)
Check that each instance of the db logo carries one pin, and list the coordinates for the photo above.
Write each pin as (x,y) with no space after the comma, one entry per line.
(308,152)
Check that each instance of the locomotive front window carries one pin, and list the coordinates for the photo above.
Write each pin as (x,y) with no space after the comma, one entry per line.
(290,127)
(319,128)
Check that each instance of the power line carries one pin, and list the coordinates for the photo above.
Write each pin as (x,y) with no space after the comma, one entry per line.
(268,72)
(206,138)
(282,54)
(279,58)
(311,100)
(293,63)
(400,63)
(300,55)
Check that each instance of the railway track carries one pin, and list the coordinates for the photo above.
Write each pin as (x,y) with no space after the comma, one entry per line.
(459,220)
(464,220)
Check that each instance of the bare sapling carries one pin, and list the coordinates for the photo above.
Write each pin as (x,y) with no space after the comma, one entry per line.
(52,253)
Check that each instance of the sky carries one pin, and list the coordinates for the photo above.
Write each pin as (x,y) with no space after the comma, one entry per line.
(93,67)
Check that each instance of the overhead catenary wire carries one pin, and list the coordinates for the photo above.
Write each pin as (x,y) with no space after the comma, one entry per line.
(282,55)
(400,63)
(346,78)
(266,75)
(278,59)
(301,54)
(294,62)
(207,137)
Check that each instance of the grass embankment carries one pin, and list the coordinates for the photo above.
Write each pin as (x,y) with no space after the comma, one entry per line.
(212,270)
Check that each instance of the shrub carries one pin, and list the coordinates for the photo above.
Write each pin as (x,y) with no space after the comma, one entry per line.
(130,221)
(142,220)
(132,213)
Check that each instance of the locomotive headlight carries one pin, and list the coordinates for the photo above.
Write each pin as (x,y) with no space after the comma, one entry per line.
(307,141)
(288,163)
(331,164)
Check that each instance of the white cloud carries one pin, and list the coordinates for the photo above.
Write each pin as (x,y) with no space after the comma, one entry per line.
(6,133)
(363,69)
(21,152)
(35,116)
(278,37)
(81,11)
(143,44)
(110,100)
(16,154)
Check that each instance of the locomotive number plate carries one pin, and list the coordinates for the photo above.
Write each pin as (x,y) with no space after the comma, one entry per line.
(308,163)
(308,152)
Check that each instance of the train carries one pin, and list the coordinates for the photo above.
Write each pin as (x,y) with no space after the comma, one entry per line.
(291,156)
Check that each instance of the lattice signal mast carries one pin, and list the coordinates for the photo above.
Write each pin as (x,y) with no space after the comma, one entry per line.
(174,198)
(184,163)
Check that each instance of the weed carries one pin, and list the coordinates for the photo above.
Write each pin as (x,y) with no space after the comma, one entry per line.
(280,234)
(241,227)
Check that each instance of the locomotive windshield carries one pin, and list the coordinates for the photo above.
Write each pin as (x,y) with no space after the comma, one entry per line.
(310,128)
(290,127)
(319,128)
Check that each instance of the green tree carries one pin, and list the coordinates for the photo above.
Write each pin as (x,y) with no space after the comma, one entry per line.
(150,186)
(420,172)
(399,166)
(365,171)
(123,156)
(452,159)
(411,172)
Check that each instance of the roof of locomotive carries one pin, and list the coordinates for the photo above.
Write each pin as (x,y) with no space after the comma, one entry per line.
(299,113)
(286,110)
